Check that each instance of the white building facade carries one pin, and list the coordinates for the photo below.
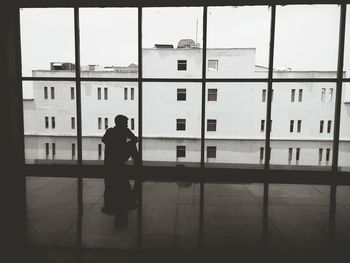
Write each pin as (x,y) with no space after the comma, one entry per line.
(302,113)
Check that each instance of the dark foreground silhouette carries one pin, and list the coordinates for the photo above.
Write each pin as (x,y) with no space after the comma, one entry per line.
(120,145)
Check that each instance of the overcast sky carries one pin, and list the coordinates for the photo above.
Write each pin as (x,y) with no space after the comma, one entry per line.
(306,36)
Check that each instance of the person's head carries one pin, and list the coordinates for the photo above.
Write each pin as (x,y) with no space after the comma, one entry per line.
(121,120)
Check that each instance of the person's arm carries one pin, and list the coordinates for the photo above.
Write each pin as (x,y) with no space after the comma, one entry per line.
(132,136)
(106,137)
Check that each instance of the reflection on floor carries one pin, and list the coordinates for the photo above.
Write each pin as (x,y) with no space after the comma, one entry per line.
(169,222)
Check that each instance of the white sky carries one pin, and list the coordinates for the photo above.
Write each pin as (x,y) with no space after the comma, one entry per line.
(306,36)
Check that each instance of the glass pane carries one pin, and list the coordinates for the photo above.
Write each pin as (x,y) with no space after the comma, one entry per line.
(172,40)
(233,216)
(302,125)
(49,134)
(238,38)
(101,103)
(47,42)
(51,211)
(306,41)
(235,125)
(344,136)
(170,216)
(109,45)
(299,217)
(171,121)
(101,230)
(342,217)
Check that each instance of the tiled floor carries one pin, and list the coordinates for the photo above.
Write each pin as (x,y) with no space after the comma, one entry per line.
(171,223)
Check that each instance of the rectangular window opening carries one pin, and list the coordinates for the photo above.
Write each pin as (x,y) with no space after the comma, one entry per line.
(52,93)
(106,93)
(72,93)
(125,93)
(180,151)
(213,65)
(211,125)
(181,124)
(212,94)
(182,65)
(211,152)
(53,122)
(99,93)
(181,94)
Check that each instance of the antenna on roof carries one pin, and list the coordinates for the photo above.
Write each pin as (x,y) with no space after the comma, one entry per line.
(196,31)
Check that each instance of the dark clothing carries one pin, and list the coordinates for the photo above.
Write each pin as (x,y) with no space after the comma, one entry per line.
(117,149)
(118,196)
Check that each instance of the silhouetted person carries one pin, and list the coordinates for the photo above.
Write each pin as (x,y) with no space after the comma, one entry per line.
(120,145)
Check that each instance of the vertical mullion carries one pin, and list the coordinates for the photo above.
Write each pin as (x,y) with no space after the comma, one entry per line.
(140,78)
(79,127)
(269,89)
(268,125)
(140,121)
(204,59)
(339,88)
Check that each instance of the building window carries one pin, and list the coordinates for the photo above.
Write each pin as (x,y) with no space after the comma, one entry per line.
(211,152)
(132,123)
(323,94)
(261,154)
(106,123)
(106,93)
(297,155)
(299,126)
(181,94)
(132,93)
(211,125)
(72,93)
(73,151)
(99,93)
(290,155)
(182,65)
(262,125)
(53,151)
(46,122)
(320,152)
(46,96)
(47,153)
(300,98)
(321,126)
(330,94)
(125,93)
(73,122)
(99,123)
(180,151)
(53,123)
(213,65)
(99,151)
(329,126)
(180,124)
(292,98)
(328,154)
(52,93)
(272,95)
(212,94)
(263,95)
(291,126)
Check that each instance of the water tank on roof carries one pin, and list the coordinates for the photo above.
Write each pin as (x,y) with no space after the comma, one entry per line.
(187,43)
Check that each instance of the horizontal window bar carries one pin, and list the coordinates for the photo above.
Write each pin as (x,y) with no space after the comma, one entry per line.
(171,3)
(183,79)
(197,174)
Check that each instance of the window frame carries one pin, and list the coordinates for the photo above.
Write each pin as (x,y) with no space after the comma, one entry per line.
(181,94)
(339,80)
(182,65)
